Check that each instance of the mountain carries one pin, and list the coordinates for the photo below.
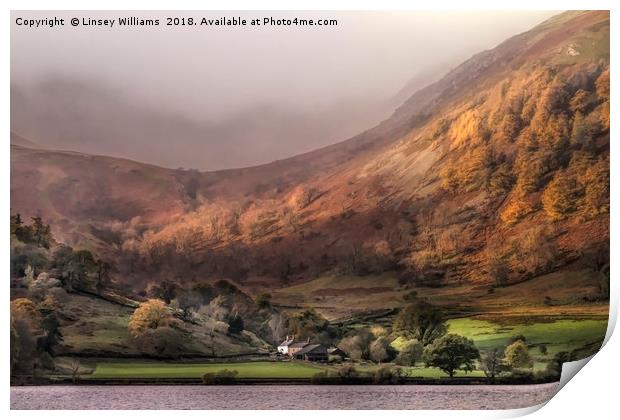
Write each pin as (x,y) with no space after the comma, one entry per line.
(495,175)
(18,140)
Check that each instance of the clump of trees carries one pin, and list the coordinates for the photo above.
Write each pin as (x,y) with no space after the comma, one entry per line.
(309,323)
(35,333)
(37,257)
(37,233)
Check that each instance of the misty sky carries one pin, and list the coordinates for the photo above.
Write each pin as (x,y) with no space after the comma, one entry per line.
(221,97)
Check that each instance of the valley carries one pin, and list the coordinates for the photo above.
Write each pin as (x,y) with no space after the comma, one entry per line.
(479,211)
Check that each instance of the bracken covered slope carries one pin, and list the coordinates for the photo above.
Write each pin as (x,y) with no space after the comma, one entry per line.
(496,174)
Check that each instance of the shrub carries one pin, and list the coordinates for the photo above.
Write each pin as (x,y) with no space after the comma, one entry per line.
(221,377)
(387,376)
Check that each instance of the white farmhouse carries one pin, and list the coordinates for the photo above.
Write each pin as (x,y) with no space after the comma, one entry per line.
(284,346)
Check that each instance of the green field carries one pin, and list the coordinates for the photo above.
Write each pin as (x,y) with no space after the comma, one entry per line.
(562,335)
(254,370)
(139,370)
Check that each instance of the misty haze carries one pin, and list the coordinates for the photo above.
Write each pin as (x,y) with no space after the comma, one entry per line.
(232,97)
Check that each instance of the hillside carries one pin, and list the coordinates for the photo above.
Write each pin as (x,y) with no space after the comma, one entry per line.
(493,176)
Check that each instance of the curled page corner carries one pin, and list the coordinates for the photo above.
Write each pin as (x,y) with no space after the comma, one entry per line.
(570,369)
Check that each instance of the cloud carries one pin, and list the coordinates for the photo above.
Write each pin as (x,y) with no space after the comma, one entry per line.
(228,97)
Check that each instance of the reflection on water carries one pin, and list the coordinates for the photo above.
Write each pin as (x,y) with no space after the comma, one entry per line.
(280,397)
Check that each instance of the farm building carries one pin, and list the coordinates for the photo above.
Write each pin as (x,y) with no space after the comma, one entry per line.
(335,351)
(312,353)
(289,346)
(303,350)
(284,346)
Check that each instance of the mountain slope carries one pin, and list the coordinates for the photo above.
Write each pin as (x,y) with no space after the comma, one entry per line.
(495,174)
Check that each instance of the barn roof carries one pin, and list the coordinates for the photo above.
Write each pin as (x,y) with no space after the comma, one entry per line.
(312,348)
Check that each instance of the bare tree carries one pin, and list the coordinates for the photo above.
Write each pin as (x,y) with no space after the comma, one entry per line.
(75,365)
(211,335)
(277,324)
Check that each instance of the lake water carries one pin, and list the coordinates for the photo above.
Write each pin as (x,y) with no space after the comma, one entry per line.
(279,397)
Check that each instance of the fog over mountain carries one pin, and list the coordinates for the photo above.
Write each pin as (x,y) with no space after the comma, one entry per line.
(213,98)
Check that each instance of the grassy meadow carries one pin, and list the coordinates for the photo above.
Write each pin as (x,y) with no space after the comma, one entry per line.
(179,370)
(245,370)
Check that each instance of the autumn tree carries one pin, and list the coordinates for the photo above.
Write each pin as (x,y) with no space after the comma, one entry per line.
(559,198)
(580,102)
(534,250)
(25,330)
(602,91)
(596,189)
(516,208)
(509,127)
(581,132)
(517,356)
(530,174)
(25,310)
(150,315)
(501,180)
(470,172)
(154,329)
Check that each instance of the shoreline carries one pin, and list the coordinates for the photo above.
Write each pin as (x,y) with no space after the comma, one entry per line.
(363,381)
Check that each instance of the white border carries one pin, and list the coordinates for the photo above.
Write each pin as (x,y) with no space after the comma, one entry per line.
(592,395)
